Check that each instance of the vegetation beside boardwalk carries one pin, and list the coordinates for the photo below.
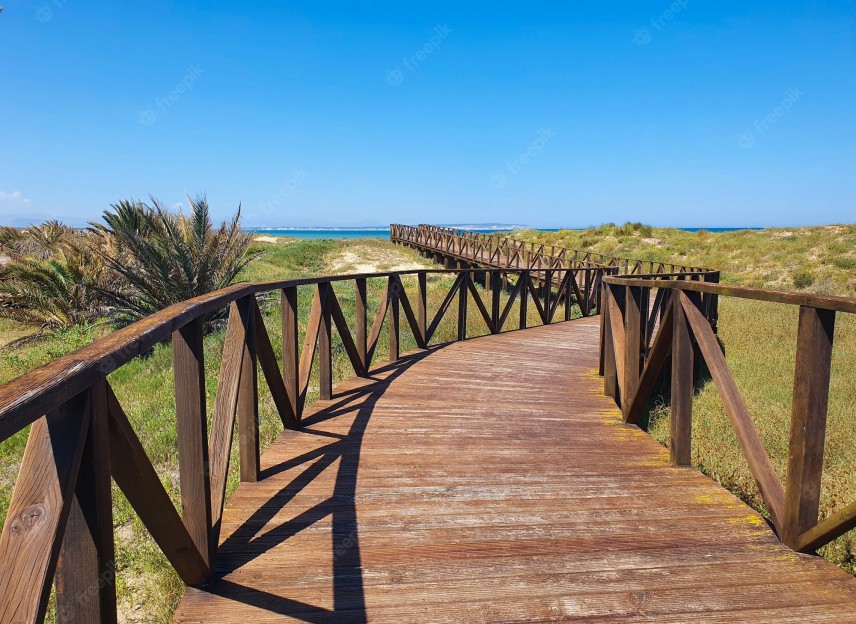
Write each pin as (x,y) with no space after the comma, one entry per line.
(760,346)
(148,588)
(759,338)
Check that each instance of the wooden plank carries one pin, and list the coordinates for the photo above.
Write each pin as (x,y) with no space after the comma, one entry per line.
(290,355)
(377,325)
(37,514)
(808,421)
(462,306)
(192,434)
(548,294)
(480,305)
(441,311)
(270,370)
(542,313)
(534,506)
(360,330)
(86,570)
(682,389)
(412,321)
(325,345)
(310,341)
(660,351)
(523,282)
(616,322)
(632,353)
(341,323)
(495,292)
(223,418)
(394,327)
(831,528)
(138,480)
(515,291)
(750,441)
(248,395)
(422,307)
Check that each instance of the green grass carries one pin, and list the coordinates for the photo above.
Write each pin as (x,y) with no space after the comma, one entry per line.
(147,586)
(760,347)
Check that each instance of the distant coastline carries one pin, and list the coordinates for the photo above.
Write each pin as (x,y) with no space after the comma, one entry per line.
(383,233)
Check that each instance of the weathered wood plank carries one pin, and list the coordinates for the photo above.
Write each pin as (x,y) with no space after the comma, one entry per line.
(248,395)
(37,514)
(808,421)
(750,441)
(138,480)
(86,570)
(682,388)
(192,435)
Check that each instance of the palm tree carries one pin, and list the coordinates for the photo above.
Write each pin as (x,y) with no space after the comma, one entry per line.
(162,257)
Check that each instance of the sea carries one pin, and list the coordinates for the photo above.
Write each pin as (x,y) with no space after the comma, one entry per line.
(383,233)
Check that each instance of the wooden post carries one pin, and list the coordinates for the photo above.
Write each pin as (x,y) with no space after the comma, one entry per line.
(361,336)
(682,386)
(290,356)
(584,305)
(632,342)
(610,371)
(394,320)
(325,349)
(422,305)
(523,280)
(808,421)
(548,294)
(248,396)
(86,570)
(494,301)
(192,434)
(462,306)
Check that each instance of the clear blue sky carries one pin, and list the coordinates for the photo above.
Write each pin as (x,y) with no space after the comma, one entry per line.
(545,113)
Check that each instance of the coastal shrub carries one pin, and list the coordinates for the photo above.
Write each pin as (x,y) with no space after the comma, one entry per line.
(802,278)
(162,257)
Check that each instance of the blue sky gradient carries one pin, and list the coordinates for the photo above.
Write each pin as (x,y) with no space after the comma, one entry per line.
(551,114)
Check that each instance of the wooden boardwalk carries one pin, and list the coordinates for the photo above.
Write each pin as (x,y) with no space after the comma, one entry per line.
(492,481)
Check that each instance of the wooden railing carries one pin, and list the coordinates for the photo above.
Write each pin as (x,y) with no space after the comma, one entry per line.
(493,250)
(634,354)
(59,521)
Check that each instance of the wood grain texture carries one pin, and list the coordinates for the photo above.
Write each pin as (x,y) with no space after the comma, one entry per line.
(680,422)
(247,413)
(37,514)
(138,480)
(808,421)
(512,494)
(735,407)
(86,571)
(192,435)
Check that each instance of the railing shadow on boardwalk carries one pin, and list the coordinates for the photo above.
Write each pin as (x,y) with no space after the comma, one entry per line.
(238,549)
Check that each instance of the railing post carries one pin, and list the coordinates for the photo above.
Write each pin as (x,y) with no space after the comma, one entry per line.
(192,435)
(632,343)
(462,306)
(808,421)
(325,348)
(610,371)
(394,320)
(422,305)
(248,396)
(494,277)
(86,571)
(548,294)
(523,280)
(361,336)
(571,276)
(290,355)
(682,386)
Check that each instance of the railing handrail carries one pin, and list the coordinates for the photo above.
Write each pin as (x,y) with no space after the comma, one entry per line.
(633,357)
(605,259)
(822,302)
